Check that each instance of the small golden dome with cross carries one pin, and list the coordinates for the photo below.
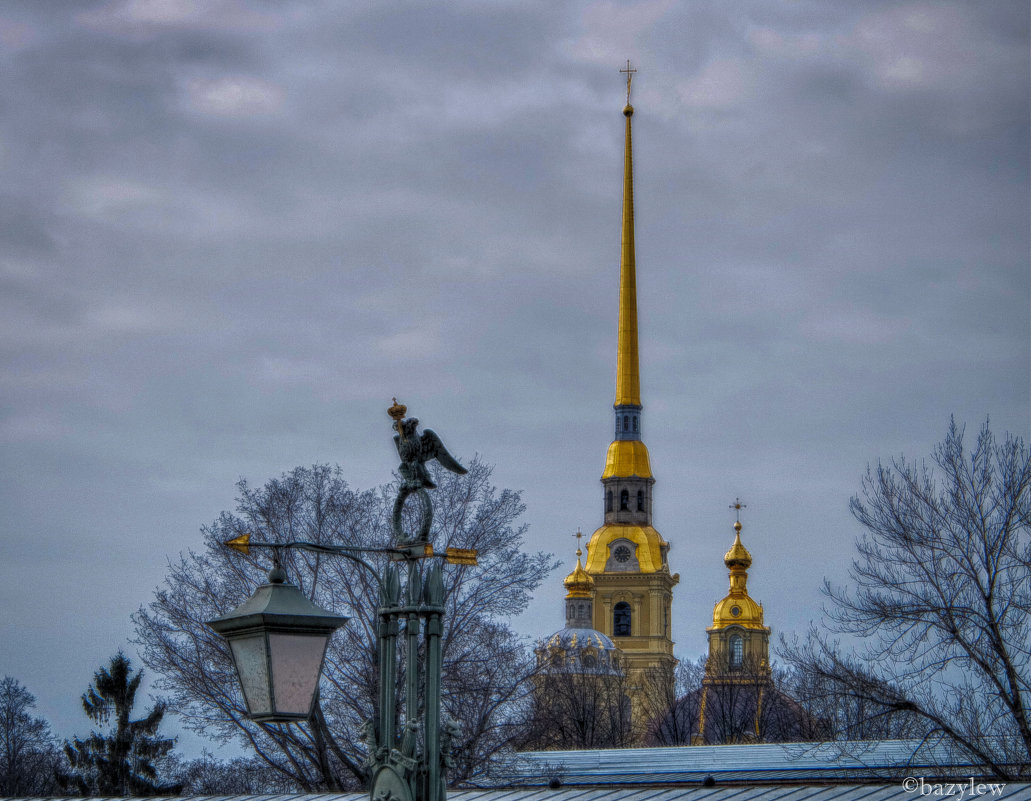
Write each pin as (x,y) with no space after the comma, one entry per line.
(738,608)
(579,582)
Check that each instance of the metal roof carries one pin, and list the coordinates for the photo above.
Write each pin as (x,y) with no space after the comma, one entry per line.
(771,792)
(863,771)
(882,760)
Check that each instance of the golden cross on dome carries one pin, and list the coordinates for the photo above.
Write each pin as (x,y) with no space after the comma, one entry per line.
(578,535)
(737,506)
(629,77)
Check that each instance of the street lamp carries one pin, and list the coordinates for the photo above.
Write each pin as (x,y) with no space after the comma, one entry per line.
(278,637)
(278,640)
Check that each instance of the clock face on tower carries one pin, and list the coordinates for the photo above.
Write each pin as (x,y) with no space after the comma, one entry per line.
(622,553)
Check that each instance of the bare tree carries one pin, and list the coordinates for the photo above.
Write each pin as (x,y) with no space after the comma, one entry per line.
(577,707)
(755,706)
(488,686)
(673,710)
(941,603)
(28,754)
(838,713)
(206,775)
(487,667)
(750,704)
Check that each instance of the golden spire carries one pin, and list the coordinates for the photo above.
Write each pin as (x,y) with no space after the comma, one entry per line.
(628,381)
(627,455)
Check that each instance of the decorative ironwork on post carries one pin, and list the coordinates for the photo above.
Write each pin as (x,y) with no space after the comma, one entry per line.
(411,767)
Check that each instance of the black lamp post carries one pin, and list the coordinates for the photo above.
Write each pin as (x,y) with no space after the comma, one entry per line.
(278,640)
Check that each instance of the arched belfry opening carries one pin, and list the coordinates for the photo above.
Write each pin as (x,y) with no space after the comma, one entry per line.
(622,623)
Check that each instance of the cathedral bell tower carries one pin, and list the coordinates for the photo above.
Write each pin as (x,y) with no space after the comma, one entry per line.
(739,642)
(737,681)
(627,557)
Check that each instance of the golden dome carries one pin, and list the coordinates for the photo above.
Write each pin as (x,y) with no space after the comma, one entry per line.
(579,583)
(737,611)
(738,553)
(738,608)
(649,542)
(625,458)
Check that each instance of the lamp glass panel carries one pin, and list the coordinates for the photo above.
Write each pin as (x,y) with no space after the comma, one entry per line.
(251,657)
(296,663)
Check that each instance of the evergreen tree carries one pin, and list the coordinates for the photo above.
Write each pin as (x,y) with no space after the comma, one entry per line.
(122,762)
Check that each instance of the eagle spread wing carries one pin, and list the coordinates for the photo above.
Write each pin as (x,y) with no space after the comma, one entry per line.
(433,448)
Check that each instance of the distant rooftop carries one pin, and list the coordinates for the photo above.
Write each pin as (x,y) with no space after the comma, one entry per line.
(771,792)
(872,761)
(862,771)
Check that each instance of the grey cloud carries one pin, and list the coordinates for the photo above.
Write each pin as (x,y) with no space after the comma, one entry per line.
(229,239)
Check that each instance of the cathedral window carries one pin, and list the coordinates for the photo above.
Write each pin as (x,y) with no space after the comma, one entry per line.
(589,660)
(635,425)
(640,500)
(621,619)
(626,422)
(737,650)
(624,501)
(608,501)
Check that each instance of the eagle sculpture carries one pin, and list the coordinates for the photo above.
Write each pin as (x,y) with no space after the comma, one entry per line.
(416,450)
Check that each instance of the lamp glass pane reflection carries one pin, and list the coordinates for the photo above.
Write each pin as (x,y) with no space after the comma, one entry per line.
(296,664)
(251,657)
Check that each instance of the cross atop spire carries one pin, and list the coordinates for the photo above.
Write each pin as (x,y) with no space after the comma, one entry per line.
(737,506)
(629,72)
(578,535)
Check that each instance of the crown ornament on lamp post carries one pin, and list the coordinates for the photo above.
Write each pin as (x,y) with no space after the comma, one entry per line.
(397,413)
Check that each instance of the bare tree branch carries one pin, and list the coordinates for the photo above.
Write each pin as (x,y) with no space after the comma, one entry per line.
(939,603)
(485,663)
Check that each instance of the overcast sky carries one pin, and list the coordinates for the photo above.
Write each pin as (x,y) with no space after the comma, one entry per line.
(231,231)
